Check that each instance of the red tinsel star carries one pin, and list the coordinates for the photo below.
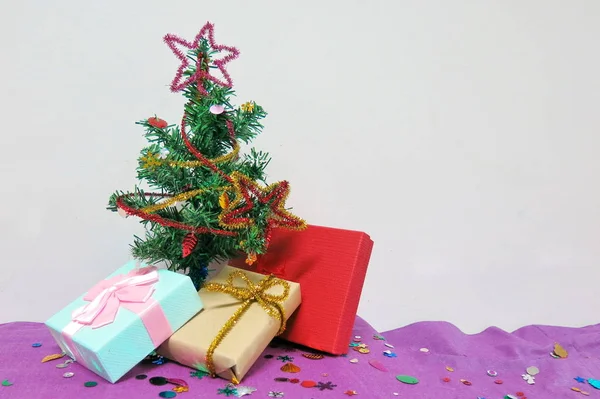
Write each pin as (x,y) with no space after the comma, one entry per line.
(275,193)
(177,84)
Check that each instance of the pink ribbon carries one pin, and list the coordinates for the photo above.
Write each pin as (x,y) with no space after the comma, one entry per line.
(132,291)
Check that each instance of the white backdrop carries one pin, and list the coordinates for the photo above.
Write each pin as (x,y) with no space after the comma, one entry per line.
(461,135)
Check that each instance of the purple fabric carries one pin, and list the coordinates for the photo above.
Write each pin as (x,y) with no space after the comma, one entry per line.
(509,354)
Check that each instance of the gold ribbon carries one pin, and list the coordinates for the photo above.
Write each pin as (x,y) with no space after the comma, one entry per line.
(251,293)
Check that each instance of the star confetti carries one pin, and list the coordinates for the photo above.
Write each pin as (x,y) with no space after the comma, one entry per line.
(579,379)
(198,374)
(200,73)
(351,393)
(276,394)
(243,391)
(326,385)
(229,390)
(6,383)
(285,358)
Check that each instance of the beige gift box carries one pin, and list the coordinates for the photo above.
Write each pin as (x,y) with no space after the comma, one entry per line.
(244,342)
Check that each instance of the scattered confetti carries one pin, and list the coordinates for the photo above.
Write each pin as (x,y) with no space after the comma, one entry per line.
(466,382)
(532,371)
(199,373)
(509,397)
(407,379)
(290,368)
(243,391)
(177,381)
(520,394)
(159,381)
(492,373)
(229,390)
(357,338)
(351,393)
(52,357)
(294,380)
(499,382)
(450,369)
(560,351)
(285,358)
(141,377)
(579,379)
(377,364)
(593,382)
(446,379)
(389,353)
(389,345)
(62,365)
(529,379)
(281,379)
(36,345)
(308,384)
(313,356)
(576,389)
(6,383)
(276,394)
(159,360)
(326,385)
(364,350)
(424,350)
(68,374)
(378,337)
(90,384)
(355,360)
(181,389)
(167,394)
(268,356)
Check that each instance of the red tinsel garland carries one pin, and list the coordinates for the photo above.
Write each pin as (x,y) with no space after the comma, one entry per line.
(167,222)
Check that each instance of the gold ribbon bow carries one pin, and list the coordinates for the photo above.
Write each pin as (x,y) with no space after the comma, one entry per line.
(251,293)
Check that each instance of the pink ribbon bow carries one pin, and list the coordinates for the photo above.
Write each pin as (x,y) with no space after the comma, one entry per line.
(107,296)
(132,291)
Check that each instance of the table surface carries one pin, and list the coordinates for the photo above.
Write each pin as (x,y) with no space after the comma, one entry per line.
(446,362)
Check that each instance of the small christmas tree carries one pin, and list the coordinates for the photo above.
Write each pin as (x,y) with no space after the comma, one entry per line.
(210,203)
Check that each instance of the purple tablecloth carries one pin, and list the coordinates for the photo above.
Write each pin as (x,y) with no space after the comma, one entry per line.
(467,357)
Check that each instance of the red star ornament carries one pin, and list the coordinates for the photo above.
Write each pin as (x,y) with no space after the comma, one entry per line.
(274,194)
(179,83)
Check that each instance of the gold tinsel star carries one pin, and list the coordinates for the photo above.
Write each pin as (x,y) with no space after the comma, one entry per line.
(247,107)
(150,160)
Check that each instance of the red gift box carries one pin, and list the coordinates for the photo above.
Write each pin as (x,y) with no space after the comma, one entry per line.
(330,265)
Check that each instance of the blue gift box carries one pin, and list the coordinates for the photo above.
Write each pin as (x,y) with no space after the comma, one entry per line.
(122,319)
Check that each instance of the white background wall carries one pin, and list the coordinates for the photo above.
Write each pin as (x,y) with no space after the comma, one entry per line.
(461,135)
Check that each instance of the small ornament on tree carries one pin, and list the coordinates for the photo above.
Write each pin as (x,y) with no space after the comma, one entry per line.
(189,243)
(157,123)
(199,164)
